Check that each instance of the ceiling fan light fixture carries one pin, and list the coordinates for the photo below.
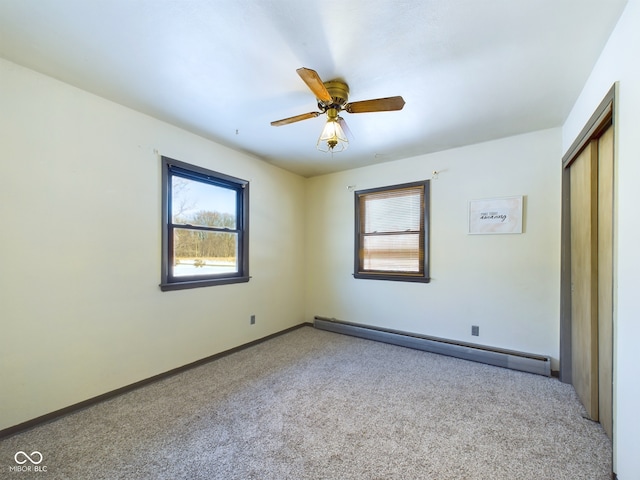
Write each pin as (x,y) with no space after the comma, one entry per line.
(332,97)
(332,139)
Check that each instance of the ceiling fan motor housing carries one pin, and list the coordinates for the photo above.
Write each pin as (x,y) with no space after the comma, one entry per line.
(339,92)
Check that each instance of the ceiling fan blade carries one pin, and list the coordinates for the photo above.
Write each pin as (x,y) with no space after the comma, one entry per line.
(345,128)
(297,118)
(377,105)
(314,82)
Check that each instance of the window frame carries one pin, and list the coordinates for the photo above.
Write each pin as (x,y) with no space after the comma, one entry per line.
(171,168)
(359,272)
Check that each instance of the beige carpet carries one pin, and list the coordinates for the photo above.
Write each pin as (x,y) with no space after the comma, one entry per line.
(312,404)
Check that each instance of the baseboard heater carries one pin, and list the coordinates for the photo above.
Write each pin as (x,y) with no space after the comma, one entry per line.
(524,362)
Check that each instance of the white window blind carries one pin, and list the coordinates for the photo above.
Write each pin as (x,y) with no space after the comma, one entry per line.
(392,230)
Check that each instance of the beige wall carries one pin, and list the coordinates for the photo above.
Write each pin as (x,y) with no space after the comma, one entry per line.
(81,312)
(619,63)
(508,285)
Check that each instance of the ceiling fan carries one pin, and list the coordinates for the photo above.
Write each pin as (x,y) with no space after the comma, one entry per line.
(332,98)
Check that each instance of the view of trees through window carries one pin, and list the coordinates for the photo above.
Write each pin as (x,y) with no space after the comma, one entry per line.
(205,238)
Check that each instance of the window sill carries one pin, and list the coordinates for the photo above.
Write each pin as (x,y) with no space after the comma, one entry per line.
(202,283)
(392,277)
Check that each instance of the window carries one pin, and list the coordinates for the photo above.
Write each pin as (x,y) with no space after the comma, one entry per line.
(205,227)
(392,234)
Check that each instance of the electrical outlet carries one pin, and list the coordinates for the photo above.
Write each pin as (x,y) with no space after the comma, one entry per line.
(252,321)
(475,330)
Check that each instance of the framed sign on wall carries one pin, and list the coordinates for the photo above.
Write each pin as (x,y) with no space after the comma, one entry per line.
(496,215)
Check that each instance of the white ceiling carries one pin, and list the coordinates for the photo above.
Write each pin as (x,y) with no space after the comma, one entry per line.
(469,70)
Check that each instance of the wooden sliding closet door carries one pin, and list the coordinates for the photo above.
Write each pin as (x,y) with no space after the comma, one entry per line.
(588,270)
(584,293)
(592,213)
(605,280)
